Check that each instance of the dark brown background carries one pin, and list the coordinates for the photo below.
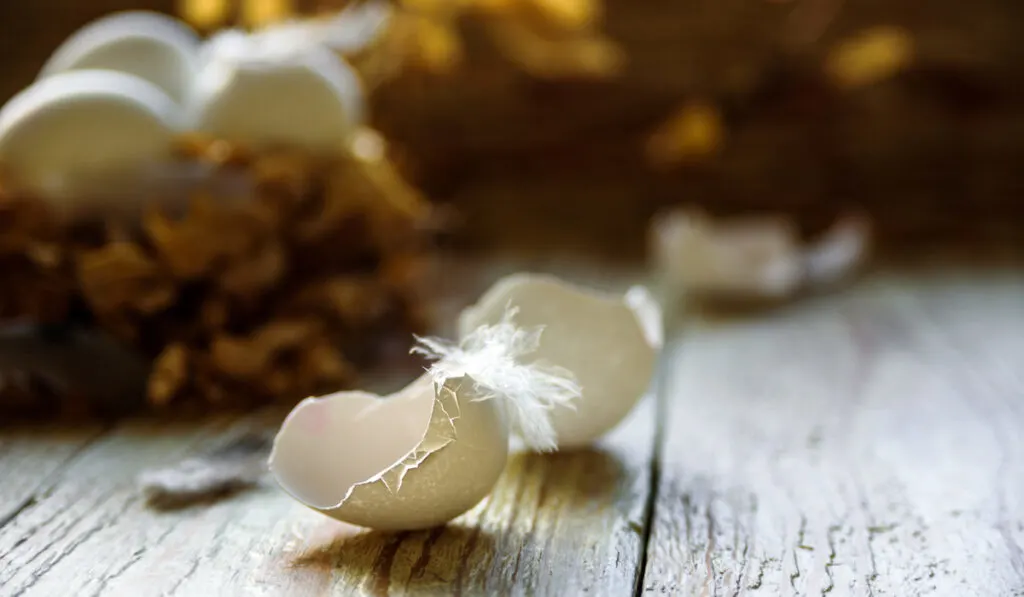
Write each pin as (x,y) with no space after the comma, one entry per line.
(934,154)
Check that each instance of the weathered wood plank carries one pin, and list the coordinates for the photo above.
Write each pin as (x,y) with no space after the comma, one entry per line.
(52,544)
(29,456)
(555,524)
(862,444)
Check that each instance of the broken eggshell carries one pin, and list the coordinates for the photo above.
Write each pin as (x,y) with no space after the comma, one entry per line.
(610,344)
(369,461)
(85,125)
(428,453)
(356,27)
(155,47)
(753,258)
(742,257)
(275,86)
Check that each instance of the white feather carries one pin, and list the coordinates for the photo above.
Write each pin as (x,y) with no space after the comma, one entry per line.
(495,357)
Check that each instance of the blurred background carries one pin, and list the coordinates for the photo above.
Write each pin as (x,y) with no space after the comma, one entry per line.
(749,147)
(807,107)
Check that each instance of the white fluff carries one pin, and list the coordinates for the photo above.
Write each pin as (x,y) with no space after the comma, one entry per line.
(493,357)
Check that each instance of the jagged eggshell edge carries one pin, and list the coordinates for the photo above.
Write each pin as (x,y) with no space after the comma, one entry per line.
(444,462)
(614,376)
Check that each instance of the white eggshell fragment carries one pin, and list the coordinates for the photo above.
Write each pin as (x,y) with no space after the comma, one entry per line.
(155,47)
(648,314)
(412,460)
(85,124)
(609,343)
(357,26)
(276,86)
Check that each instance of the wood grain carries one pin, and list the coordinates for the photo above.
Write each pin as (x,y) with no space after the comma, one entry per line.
(29,456)
(556,524)
(862,444)
(70,535)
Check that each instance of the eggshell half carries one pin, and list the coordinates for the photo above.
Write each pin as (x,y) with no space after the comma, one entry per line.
(412,460)
(610,343)
(83,124)
(149,45)
(276,86)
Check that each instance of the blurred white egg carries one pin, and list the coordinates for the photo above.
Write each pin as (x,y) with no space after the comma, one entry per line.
(83,125)
(609,343)
(276,86)
(412,460)
(155,47)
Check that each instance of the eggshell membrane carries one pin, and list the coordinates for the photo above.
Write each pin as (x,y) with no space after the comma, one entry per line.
(149,45)
(306,96)
(610,348)
(412,460)
(84,123)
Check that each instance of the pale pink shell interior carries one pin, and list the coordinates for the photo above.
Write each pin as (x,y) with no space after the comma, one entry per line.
(331,444)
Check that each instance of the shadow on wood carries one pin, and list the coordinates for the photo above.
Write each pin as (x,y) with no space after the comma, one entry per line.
(470,554)
(372,555)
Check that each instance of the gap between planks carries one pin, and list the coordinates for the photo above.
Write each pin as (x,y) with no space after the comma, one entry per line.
(862,444)
(765,480)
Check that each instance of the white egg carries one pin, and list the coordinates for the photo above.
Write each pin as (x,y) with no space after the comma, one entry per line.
(276,86)
(609,343)
(158,48)
(412,460)
(84,125)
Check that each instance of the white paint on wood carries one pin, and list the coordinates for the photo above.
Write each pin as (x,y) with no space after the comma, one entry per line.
(863,444)
(866,443)
(28,458)
(71,537)
(556,524)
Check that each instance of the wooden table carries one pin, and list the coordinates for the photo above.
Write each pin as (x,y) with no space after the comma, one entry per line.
(865,443)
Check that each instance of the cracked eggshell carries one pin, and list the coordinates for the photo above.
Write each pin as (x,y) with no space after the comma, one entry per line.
(155,47)
(83,124)
(415,459)
(609,342)
(276,86)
